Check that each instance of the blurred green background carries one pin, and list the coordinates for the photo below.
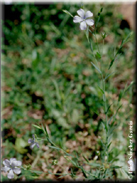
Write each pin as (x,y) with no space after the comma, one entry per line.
(47,78)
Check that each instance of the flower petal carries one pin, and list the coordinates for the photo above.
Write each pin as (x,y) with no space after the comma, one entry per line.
(18,163)
(12,160)
(5,169)
(6,162)
(11,174)
(30,141)
(37,145)
(81,13)
(32,145)
(77,19)
(90,22)
(17,170)
(83,25)
(88,14)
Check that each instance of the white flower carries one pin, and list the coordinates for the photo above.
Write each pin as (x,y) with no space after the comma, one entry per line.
(11,166)
(83,19)
(32,142)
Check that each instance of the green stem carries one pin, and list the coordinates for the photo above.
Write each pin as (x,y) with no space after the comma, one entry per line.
(106,116)
(97,41)
(104,89)
(87,36)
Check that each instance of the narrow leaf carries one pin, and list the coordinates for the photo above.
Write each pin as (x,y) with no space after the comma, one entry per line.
(108,108)
(116,167)
(67,12)
(100,89)
(86,159)
(68,154)
(111,63)
(94,164)
(62,175)
(125,40)
(113,116)
(45,131)
(91,32)
(53,147)
(132,82)
(84,173)
(96,68)
(74,163)
(37,126)
(119,50)
(35,171)
(109,145)
(101,9)
(118,110)
(108,75)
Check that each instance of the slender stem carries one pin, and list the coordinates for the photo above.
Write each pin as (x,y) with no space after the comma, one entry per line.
(104,89)
(97,41)
(105,109)
(90,43)
(105,103)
